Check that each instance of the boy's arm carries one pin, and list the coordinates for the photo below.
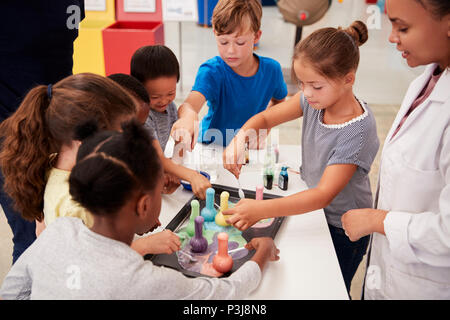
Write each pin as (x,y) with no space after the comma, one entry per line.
(193,103)
(184,128)
(198,182)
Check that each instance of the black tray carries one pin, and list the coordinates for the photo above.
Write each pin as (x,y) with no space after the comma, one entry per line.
(171,260)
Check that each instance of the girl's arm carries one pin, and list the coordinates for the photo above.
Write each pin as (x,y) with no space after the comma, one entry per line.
(233,155)
(334,179)
(274,101)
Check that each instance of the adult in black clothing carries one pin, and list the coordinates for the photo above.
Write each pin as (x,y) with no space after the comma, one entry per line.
(36,47)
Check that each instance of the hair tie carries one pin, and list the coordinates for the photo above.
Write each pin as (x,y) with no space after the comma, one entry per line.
(49,91)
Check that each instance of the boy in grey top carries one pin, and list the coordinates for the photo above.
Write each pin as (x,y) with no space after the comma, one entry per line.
(160,123)
(157,68)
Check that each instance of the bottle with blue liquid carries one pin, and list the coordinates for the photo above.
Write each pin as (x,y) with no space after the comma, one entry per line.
(283,179)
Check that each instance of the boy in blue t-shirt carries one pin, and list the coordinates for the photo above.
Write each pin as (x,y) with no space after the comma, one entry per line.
(237,84)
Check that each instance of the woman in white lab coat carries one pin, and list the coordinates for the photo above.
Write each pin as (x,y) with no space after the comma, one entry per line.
(409,257)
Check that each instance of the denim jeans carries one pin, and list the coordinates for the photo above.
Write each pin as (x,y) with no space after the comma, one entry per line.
(349,253)
(24,232)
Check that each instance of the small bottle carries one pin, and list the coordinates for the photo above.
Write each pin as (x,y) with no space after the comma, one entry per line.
(276,152)
(247,153)
(283,179)
(268,178)
(259,192)
(268,172)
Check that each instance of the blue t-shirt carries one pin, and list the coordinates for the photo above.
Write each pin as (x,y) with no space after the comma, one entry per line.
(233,99)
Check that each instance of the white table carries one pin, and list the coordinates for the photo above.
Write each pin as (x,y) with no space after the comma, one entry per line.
(308,267)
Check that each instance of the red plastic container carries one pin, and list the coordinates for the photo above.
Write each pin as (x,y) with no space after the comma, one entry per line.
(123,38)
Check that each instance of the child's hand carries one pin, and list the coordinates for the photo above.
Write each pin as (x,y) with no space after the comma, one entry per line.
(183,130)
(264,244)
(244,214)
(265,251)
(171,183)
(162,242)
(234,157)
(199,185)
(362,222)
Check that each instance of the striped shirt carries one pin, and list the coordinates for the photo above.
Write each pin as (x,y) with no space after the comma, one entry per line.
(353,142)
(160,123)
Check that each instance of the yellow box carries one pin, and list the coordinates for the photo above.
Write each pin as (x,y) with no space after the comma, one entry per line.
(108,14)
(88,53)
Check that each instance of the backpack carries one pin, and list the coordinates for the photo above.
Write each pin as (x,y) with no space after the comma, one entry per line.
(303,12)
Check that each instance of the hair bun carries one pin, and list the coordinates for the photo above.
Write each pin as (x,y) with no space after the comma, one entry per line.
(358,31)
(135,133)
(86,130)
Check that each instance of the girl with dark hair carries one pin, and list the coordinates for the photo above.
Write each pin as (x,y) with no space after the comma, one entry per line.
(44,124)
(339,140)
(118,178)
(409,256)
(40,147)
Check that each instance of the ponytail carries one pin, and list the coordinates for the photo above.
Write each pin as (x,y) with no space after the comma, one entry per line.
(24,157)
(45,121)
(333,52)
(358,32)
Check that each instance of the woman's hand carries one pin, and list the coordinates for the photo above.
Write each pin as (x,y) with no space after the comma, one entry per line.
(244,214)
(362,222)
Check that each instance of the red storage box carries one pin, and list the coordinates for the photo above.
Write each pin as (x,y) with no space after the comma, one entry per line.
(123,38)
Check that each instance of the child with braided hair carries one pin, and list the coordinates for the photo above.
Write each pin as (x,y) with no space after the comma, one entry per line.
(118,177)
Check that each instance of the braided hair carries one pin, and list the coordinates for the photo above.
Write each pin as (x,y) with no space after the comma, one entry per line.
(111,166)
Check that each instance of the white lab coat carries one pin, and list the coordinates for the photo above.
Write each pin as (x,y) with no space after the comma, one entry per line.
(413,260)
